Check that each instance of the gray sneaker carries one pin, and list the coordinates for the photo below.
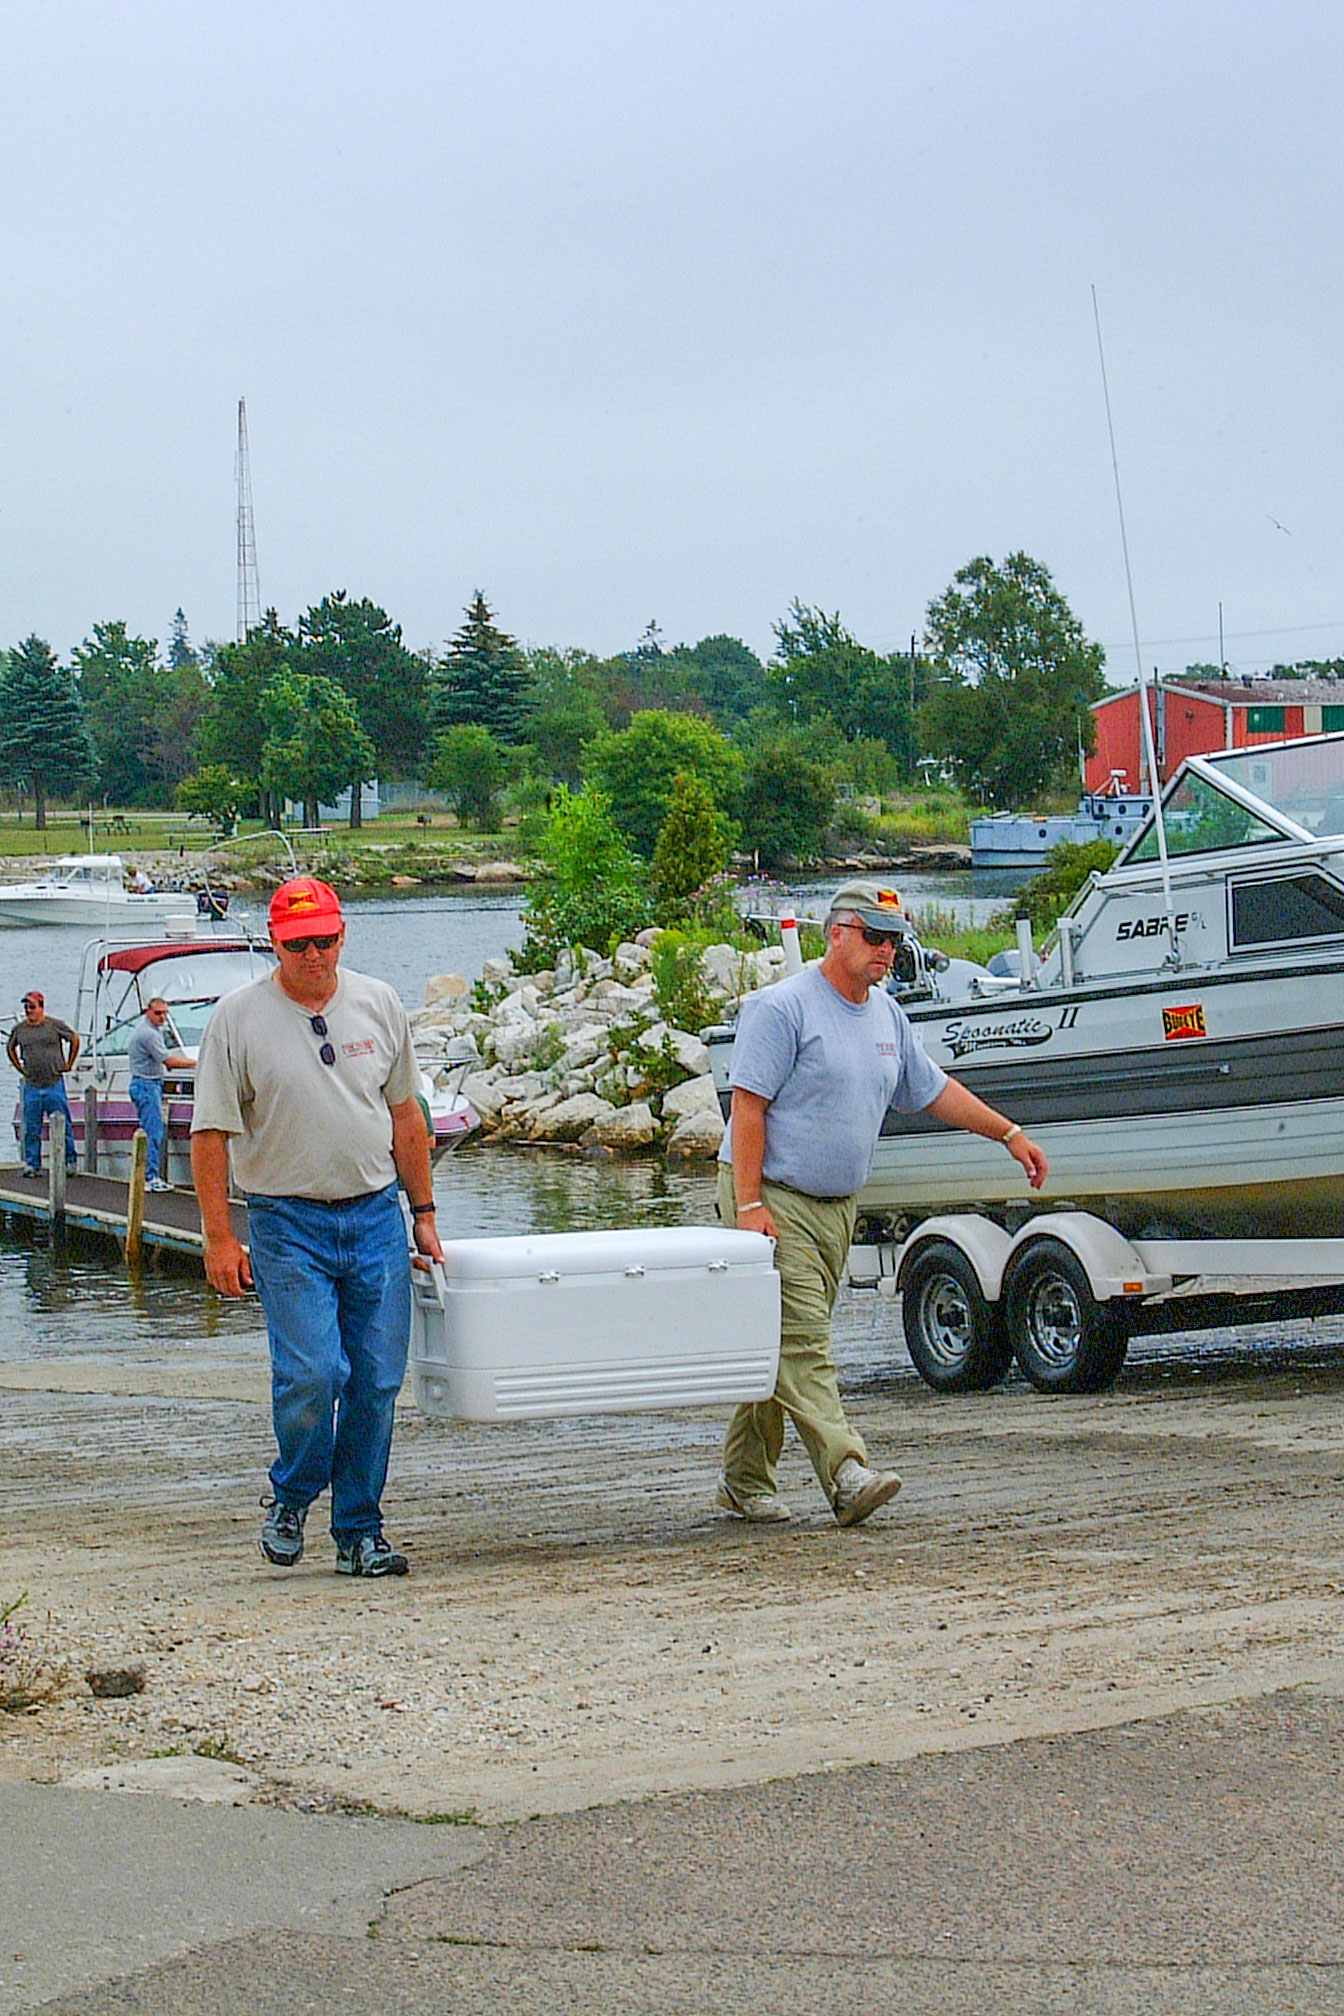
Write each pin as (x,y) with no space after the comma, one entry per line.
(859,1491)
(282,1532)
(767,1508)
(370,1554)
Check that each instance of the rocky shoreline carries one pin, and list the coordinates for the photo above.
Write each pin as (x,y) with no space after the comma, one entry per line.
(582,1057)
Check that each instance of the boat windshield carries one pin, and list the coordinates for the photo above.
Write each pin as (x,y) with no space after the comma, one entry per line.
(1304,779)
(1200,819)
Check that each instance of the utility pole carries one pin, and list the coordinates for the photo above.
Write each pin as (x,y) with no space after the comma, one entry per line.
(249,593)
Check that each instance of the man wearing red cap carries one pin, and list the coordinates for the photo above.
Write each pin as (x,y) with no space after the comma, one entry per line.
(306,1083)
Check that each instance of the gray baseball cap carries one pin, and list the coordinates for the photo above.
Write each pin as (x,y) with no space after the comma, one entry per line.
(870,902)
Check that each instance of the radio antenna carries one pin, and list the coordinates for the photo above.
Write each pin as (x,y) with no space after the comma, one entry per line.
(1146,725)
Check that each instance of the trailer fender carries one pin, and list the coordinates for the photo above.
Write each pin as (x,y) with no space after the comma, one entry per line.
(986,1245)
(1115,1269)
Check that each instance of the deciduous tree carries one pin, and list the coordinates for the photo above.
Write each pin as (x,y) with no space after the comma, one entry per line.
(359,646)
(314,743)
(638,766)
(1015,680)
(469,767)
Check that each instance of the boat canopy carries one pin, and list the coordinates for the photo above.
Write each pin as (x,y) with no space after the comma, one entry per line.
(1244,797)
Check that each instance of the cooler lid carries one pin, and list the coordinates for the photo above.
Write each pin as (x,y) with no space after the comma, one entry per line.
(652,1248)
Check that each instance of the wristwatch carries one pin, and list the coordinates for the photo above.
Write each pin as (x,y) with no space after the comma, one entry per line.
(421,1210)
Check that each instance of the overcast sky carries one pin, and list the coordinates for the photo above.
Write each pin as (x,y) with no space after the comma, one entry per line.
(628,311)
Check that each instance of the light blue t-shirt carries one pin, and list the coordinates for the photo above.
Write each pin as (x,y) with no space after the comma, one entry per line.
(147,1051)
(830,1070)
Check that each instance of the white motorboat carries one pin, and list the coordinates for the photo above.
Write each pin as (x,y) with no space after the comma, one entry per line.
(1179,1051)
(192,966)
(90,890)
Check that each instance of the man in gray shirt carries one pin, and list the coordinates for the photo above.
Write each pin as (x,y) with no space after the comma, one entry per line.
(150,1059)
(42,1049)
(819,1058)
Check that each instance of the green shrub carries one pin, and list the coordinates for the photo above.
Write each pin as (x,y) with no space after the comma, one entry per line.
(1068,866)
(692,847)
(597,894)
(679,984)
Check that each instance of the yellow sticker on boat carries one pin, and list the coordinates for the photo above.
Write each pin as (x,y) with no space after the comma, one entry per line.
(1181,1022)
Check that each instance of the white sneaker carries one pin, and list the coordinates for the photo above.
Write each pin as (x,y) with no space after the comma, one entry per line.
(157,1183)
(767,1508)
(859,1491)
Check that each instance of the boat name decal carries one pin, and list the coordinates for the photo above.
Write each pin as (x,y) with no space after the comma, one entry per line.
(1150,927)
(1178,1023)
(1021,1033)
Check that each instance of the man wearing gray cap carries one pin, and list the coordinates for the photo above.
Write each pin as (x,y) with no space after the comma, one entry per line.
(819,1058)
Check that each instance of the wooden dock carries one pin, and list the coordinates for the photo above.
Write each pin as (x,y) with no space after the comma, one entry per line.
(97,1205)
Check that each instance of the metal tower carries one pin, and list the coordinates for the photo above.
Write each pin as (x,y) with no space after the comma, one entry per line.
(249,593)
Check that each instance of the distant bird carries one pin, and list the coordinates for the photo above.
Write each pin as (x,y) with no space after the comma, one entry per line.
(1275,523)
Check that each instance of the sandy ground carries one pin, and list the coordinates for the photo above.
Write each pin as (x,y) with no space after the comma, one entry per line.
(581,1627)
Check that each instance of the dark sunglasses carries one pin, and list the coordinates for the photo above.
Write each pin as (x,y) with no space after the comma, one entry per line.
(322,944)
(872,937)
(318,1025)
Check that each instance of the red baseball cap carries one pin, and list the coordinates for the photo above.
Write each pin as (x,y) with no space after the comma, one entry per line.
(304,908)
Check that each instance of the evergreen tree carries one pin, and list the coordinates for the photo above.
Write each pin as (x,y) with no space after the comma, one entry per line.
(693,844)
(44,743)
(482,677)
(182,653)
(142,715)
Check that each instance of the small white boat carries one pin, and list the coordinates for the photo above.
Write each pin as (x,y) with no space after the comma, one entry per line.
(90,890)
(192,966)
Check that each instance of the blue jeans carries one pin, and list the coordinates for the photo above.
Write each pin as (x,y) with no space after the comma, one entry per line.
(38,1101)
(147,1099)
(335,1283)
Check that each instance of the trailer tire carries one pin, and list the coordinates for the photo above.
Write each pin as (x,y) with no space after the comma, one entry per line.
(954,1336)
(1064,1339)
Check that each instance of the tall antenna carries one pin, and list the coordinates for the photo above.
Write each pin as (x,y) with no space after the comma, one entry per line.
(249,592)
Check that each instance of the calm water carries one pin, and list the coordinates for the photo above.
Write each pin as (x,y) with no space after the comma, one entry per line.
(80,1303)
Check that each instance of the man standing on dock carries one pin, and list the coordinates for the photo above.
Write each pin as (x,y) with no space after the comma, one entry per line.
(42,1049)
(308,1081)
(149,1058)
(819,1058)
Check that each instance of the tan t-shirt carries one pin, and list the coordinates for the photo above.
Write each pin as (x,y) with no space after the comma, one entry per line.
(299,1127)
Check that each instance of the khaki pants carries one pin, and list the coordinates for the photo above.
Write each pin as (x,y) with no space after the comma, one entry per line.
(814,1238)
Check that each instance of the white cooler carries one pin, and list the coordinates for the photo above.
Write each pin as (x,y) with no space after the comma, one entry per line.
(595,1323)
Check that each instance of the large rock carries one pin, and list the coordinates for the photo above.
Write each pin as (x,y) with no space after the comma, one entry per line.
(631,960)
(696,1136)
(697,1095)
(732,971)
(689,1051)
(445,987)
(571,1117)
(499,871)
(483,1092)
(585,1045)
(515,1042)
(628,1128)
(497,970)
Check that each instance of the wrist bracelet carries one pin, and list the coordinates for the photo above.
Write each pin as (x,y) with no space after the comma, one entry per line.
(756,1205)
(421,1210)
(1011,1135)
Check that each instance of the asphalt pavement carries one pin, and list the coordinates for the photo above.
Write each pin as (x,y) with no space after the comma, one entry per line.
(1190,1864)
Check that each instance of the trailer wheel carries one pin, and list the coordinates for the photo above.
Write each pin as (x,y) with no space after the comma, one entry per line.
(955,1338)
(1062,1337)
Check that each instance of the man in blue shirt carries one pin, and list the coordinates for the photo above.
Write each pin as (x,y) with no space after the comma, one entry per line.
(818,1060)
(150,1058)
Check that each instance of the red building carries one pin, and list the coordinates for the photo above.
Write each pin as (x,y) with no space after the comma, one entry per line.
(1196,717)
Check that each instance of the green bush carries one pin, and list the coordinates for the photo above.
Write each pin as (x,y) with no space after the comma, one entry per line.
(692,846)
(679,984)
(1048,895)
(597,894)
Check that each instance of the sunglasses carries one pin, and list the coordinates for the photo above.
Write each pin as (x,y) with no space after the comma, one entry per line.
(318,1025)
(872,937)
(322,944)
